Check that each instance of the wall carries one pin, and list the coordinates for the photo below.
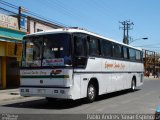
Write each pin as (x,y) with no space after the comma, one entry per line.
(10,54)
(0,72)
(36,27)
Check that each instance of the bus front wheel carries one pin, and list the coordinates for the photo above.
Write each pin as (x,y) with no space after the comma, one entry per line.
(91,93)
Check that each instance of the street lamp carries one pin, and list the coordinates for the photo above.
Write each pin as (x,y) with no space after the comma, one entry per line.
(145,38)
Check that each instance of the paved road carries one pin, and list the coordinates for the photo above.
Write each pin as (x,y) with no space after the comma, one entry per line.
(144,100)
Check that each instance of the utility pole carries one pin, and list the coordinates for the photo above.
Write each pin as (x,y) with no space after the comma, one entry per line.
(126,27)
(19,17)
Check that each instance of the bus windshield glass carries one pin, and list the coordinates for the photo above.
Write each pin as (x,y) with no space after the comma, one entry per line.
(47,50)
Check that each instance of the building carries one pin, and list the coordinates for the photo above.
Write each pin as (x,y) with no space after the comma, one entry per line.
(151,63)
(10,51)
(36,25)
(12,30)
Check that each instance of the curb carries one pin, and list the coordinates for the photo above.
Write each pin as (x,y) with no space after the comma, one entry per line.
(10,94)
(150,78)
(9,91)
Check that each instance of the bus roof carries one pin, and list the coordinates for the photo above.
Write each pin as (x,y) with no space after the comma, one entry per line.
(78,30)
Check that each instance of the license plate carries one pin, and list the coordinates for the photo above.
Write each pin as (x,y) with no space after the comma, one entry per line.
(41,91)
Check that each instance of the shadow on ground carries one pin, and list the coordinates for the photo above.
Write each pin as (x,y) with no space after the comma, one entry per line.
(64,104)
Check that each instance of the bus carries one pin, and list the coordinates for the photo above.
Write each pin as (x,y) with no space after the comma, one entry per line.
(73,63)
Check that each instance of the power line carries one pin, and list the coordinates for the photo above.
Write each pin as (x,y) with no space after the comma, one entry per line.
(74,14)
(103,8)
(52,5)
(32,13)
(3,9)
(8,4)
(43,18)
(72,10)
(61,6)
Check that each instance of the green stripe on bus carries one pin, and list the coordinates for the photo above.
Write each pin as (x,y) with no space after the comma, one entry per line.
(46,76)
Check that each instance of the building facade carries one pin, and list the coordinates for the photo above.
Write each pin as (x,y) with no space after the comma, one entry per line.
(12,30)
(10,51)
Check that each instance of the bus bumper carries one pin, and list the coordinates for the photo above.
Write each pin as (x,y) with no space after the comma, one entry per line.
(62,93)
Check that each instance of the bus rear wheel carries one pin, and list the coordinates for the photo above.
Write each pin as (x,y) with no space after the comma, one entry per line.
(133,85)
(91,93)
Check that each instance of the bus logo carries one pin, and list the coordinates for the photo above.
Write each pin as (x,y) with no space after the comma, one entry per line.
(55,72)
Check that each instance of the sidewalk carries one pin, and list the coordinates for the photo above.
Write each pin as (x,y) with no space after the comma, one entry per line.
(9,94)
(151,78)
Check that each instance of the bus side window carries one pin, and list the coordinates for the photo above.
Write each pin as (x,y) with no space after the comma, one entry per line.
(138,55)
(132,54)
(141,56)
(117,51)
(93,47)
(125,52)
(106,48)
(80,49)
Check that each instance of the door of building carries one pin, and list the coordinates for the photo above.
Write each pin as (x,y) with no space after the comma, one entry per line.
(12,74)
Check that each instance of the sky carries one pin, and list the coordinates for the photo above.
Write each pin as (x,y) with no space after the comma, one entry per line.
(103,17)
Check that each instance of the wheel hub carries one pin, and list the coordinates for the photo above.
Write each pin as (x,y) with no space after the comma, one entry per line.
(91,92)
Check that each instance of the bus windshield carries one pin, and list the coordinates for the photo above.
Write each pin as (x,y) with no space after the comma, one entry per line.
(47,50)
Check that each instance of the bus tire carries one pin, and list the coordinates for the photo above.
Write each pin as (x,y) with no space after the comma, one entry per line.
(91,93)
(133,85)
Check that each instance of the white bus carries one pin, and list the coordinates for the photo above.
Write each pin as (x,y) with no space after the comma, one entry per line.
(72,63)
